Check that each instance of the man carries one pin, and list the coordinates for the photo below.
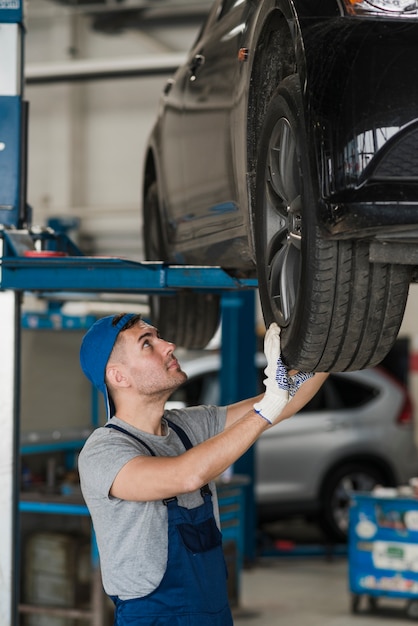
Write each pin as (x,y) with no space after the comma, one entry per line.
(147,476)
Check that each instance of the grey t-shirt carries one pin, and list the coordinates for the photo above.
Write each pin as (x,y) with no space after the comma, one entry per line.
(132,536)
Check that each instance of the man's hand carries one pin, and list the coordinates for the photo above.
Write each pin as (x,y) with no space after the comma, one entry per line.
(280,385)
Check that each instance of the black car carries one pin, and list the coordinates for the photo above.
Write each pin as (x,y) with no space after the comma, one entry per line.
(287,147)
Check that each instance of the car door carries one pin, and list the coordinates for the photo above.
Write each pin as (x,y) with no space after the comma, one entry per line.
(289,458)
(170,148)
(293,458)
(211,94)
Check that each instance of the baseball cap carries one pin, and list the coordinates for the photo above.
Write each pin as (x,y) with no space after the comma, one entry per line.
(96,346)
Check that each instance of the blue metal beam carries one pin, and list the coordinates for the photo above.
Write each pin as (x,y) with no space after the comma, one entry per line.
(89,274)
(49,261)
(57,508)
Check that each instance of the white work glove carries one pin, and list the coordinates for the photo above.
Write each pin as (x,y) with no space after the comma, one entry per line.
(276,382)
(280,386)
(296,380)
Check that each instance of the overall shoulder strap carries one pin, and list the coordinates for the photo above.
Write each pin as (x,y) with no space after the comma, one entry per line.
(205,490)
(122,430)
(181,434)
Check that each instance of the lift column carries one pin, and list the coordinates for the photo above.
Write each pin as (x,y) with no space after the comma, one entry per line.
(238,381)
(12,213)
(9,455)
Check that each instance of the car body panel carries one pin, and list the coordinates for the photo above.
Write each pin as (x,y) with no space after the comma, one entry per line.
(208,131)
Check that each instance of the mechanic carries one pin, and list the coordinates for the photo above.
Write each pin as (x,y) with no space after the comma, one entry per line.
(148,475)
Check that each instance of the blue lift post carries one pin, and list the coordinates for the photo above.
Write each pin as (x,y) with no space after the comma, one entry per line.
(51,265)
(238,381)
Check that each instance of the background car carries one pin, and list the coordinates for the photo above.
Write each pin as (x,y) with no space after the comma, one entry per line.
(357,432)
(287,143)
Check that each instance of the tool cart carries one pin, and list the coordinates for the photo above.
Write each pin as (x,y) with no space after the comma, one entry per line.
(383,550)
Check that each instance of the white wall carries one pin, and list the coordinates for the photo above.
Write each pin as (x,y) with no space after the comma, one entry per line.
(86,147)
(87,140)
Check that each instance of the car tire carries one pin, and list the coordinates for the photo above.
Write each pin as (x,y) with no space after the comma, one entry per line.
(336,493)
(188,319)
(355,603)
(337,311)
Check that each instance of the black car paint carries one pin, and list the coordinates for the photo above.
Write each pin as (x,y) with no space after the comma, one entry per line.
(350,68)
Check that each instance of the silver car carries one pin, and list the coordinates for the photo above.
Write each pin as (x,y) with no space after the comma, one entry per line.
(355,433)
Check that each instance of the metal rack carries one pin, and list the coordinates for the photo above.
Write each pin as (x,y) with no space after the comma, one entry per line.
(54,266)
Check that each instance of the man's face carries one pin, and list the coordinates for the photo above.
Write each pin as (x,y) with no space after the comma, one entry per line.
(148,360)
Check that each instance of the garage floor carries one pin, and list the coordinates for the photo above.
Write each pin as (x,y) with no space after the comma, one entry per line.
(306,591)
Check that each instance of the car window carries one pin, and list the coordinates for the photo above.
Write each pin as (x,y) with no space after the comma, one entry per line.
(338,392)
(227,6)
(213,16)
(204,389)
(352,393)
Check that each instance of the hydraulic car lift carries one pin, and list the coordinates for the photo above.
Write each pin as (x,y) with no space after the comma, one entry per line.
(74,274)
(23,269)
(42,261)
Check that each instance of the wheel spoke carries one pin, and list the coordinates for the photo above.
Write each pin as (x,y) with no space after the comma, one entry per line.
(283,162)
(283,280)
(276,216)
(282,220)
(340,504)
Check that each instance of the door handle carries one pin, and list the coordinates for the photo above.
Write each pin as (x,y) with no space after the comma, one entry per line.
(197,61)
(168,86)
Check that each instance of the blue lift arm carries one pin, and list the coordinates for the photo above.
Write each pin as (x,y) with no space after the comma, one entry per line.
(59,266)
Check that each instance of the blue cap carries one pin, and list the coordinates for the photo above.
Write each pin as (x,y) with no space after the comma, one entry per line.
(95,351)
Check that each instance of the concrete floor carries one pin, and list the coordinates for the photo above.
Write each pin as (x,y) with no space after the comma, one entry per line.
(306,590)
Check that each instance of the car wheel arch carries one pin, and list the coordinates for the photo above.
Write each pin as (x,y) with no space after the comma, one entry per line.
(150,172)
(187,319)
(372,460)
(153,194)
(362,472)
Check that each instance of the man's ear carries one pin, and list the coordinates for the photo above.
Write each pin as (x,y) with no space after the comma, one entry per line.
(116,377)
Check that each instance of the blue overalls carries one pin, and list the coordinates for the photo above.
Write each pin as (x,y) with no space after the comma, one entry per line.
(193,590)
